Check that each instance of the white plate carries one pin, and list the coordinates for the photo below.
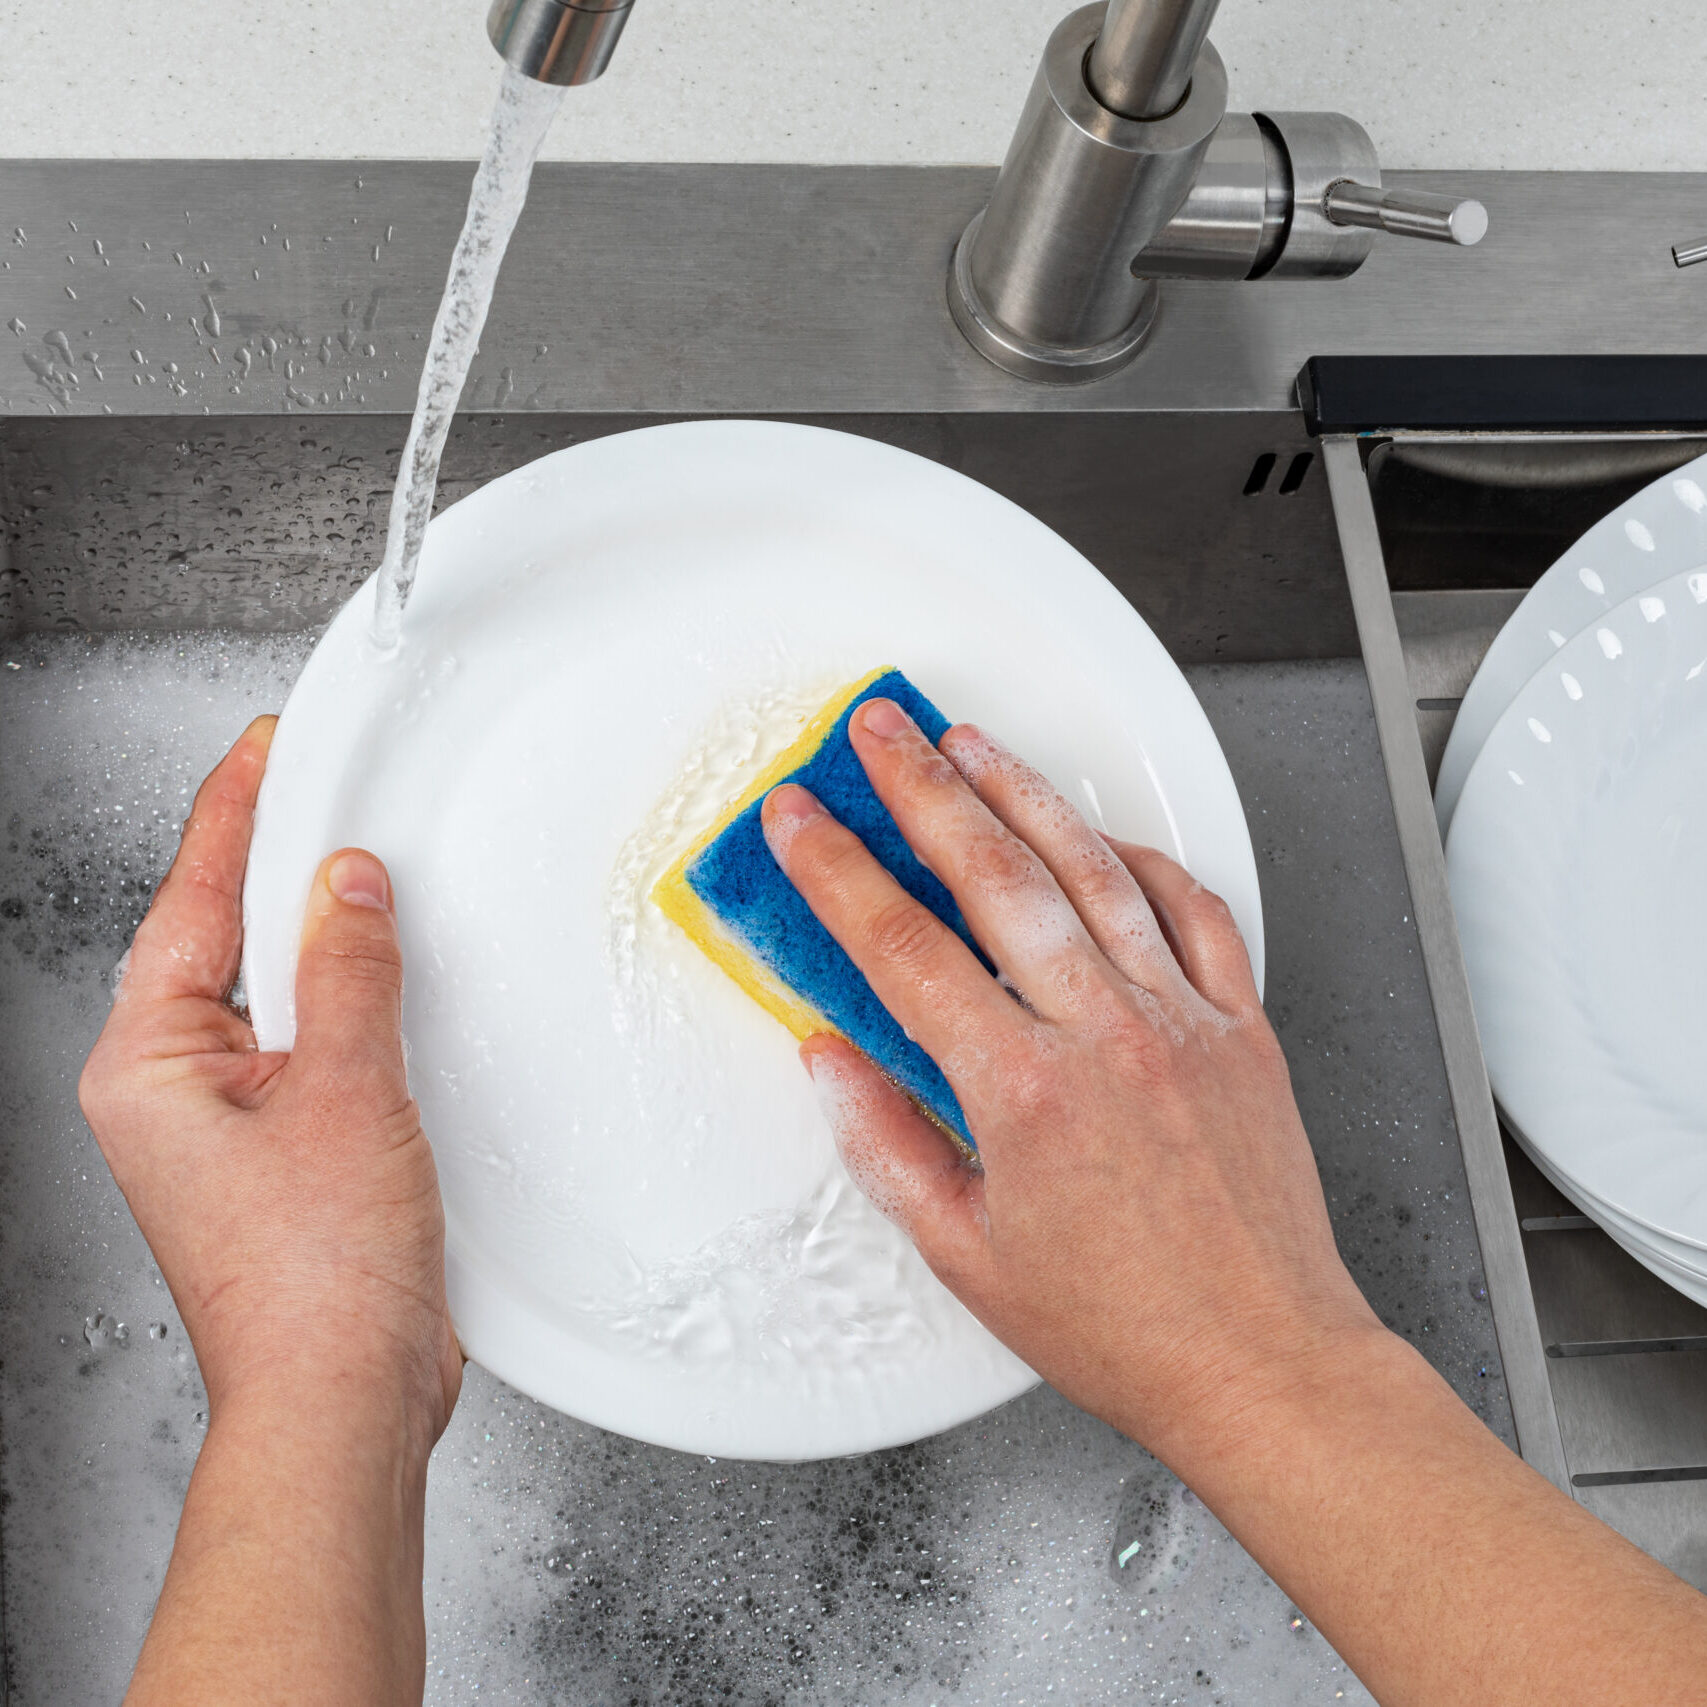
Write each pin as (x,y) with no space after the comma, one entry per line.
(1691,1258)
(1576,860)
(1658,1257)
(1677,1264)
(1688,1281)
(1660,532)
(648,1226)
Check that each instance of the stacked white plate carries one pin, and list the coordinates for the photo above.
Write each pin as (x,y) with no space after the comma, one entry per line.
(1573,796)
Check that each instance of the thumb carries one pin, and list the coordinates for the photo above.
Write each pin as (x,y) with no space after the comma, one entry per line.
(907,1166)
(349,978)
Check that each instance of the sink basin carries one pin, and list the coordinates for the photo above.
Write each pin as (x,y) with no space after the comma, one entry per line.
(177,569)
(170,544)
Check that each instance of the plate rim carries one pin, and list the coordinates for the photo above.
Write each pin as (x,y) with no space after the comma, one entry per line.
(1545,608)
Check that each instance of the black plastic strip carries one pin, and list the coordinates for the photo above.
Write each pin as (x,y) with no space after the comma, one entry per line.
(1367,394)
(1629,1478)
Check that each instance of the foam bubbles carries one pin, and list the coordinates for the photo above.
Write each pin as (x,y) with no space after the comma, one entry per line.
(107,741)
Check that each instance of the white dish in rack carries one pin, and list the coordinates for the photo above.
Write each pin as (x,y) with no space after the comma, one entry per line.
(1660,532)
(1577,858)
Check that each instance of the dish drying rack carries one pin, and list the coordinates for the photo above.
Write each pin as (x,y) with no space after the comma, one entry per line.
(1442,532)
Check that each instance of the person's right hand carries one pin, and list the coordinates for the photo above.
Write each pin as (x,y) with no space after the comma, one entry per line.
(1144,1226)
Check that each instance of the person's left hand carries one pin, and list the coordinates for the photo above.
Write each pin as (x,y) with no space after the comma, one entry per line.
(290,1199)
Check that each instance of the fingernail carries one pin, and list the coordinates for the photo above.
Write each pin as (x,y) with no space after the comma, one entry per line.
(788,810)
(359,880)
(971,734)
(971,751)
(885,719)
(790,800)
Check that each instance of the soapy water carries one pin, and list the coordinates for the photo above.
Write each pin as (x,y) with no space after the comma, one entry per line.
(105,740)
(128,729)
(520,119)
(741,739)
(818,1286)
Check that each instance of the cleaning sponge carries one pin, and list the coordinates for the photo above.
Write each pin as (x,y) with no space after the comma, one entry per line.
(730,896)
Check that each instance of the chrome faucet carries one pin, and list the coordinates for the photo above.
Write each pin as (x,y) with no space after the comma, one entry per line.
(1126,168)
(557,41)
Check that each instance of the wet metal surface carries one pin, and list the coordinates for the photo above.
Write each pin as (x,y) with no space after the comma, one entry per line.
(151,287)
(268,523)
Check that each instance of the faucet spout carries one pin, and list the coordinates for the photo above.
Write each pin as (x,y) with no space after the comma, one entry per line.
(557,41)
(1142,64)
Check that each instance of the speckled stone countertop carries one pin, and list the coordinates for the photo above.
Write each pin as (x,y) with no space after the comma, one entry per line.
(1439,83)
(1034,1555)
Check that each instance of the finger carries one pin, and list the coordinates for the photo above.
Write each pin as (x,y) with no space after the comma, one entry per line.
(919,969)
(349,981)
(1090,874)
(191,940)
(1017,911)
(1199,924)
(907,1166)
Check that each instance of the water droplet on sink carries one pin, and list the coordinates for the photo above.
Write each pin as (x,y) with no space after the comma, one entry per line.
(101,1330)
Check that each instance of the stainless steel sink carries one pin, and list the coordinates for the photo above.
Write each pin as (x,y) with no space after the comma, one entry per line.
(178,523)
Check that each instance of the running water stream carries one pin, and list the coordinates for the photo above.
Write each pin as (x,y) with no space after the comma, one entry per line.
(520,120)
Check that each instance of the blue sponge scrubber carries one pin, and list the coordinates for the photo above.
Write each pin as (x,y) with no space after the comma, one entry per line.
(732,899)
